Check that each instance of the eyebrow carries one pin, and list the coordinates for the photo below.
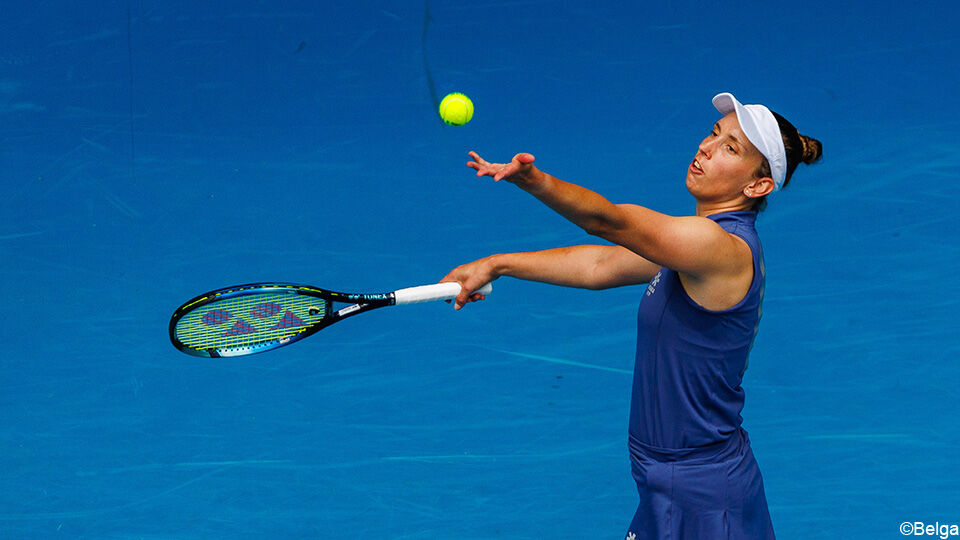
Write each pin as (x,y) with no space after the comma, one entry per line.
(716,125)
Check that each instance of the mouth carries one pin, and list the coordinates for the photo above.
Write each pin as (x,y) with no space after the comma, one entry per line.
(695,167)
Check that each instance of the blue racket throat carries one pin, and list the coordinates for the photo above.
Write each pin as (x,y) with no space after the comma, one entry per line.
(258,317)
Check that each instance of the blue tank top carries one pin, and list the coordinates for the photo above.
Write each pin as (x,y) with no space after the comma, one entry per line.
(690,360)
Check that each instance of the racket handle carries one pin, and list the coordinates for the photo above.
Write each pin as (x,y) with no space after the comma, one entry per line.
(437,291)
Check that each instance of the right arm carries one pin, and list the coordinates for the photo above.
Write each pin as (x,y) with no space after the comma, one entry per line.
(586,267)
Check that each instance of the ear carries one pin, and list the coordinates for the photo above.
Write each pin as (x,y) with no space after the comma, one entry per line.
(759,187)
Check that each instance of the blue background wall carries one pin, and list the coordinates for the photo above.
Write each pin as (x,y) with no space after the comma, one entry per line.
(149,153)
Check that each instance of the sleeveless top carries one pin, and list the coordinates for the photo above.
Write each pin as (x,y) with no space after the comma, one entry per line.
(690,360)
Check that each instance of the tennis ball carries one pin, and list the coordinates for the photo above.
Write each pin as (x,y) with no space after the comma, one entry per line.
(456,109)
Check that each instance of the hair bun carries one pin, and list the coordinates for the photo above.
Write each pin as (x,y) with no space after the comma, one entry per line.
(812,150)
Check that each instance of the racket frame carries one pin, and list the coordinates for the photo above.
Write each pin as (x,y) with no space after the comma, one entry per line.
(358,303)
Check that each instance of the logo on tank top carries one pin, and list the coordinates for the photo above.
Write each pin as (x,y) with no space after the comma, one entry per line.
(652,288)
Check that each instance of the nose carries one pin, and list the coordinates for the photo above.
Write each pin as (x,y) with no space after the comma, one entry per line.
(705,147)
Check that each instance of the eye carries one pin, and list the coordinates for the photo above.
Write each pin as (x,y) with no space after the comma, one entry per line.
(731,148)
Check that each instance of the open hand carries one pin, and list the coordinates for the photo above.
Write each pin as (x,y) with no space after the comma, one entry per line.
(520,170)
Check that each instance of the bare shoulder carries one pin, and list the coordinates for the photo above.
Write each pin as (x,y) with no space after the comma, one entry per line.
(725,251)
(729,283)
(693,245)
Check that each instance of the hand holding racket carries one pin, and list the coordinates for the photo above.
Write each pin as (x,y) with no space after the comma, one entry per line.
(474,276)
(258,317)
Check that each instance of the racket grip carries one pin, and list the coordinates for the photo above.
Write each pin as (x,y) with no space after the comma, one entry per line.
(437,291)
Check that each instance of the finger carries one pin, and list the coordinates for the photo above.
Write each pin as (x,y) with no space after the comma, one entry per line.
(505,171)
(477,166)
(450,278)
(482,169)
(496,171)
(461,300)
(466,292)
(476,157)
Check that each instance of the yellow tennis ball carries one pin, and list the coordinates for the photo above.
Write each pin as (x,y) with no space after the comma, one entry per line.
(456,109)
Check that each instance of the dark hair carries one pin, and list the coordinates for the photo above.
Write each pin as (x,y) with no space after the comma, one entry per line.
(799,148)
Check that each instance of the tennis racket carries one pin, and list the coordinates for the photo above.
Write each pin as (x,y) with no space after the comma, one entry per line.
(258,317)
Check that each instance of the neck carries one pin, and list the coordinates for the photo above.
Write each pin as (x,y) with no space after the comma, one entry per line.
(705,208)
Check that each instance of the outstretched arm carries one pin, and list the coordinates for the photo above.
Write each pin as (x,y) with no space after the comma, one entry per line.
(586,267)
(693,245)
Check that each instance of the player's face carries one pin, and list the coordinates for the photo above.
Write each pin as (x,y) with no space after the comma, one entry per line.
(725,163)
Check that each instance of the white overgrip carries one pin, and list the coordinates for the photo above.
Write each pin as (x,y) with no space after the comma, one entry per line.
(437,291)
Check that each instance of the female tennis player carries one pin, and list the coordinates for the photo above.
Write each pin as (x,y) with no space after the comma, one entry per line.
(691,459)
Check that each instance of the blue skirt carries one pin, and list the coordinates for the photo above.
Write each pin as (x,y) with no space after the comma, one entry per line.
(708,493)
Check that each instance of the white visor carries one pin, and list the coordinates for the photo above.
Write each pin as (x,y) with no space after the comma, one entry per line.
(759,125)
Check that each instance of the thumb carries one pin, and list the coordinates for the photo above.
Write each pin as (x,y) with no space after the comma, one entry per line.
(524,158)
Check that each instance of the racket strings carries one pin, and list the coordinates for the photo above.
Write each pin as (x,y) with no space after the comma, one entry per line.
(249,320)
